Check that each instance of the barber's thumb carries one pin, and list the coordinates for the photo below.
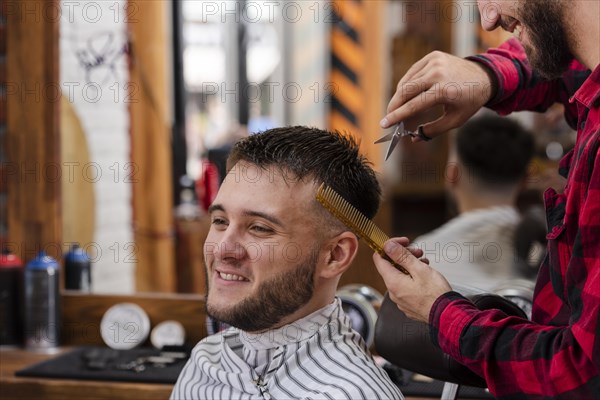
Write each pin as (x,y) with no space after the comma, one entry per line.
(396,251)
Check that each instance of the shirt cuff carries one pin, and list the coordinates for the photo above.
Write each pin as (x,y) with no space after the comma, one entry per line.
(506,76)
(496,78)
(447,320)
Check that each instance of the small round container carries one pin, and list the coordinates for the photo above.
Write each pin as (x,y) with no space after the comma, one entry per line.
(124,326)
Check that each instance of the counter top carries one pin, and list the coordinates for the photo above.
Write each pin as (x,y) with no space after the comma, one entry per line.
(13,387)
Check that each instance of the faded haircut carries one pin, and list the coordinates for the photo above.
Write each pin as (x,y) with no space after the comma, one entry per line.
(317,155)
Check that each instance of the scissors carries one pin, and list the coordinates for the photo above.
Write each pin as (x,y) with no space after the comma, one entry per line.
(398,133)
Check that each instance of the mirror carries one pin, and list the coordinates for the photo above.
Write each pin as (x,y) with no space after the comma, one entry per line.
(238,71)
(118,114)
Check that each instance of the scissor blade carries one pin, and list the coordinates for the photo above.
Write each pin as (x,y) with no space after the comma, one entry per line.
(385,138)
(393,144)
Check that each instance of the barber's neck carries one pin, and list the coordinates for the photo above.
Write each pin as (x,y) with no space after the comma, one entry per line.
(585,31)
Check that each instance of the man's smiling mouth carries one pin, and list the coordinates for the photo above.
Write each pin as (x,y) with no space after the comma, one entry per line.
(231,277)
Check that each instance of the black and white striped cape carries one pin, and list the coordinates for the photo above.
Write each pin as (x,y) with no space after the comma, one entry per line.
(316,357)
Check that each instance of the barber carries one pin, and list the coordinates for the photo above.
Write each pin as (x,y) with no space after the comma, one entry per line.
(554,58)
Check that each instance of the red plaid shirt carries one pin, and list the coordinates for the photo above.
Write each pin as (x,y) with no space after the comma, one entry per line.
(557,354)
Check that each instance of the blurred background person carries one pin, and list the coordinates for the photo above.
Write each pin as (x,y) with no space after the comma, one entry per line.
(486,171)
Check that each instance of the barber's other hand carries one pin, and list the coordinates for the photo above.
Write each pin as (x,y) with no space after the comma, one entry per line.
(415,251)
(460,85)
(414,294)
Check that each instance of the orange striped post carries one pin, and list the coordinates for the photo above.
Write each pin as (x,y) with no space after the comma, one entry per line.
(347,63)
(356,76)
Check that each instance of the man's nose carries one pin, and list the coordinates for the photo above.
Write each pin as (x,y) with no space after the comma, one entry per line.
(228,246)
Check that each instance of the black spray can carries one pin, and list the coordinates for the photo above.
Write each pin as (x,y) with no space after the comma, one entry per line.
(42,303)
(11,282)
(78,273)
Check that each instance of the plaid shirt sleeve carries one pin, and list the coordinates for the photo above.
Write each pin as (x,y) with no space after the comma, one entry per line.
(557,353)
(520,88)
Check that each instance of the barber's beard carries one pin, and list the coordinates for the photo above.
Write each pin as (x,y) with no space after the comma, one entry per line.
(273,300)
(549,52)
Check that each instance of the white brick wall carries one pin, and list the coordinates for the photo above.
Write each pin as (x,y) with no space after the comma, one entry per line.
(94,75)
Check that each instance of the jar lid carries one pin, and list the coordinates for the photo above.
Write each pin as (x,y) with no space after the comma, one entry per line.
(124,326)
(9,260)
(168,333)
(42,261)
(77,254)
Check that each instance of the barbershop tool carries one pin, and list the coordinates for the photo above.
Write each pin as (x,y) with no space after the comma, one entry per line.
(356,221)
(99,359)
(398,133)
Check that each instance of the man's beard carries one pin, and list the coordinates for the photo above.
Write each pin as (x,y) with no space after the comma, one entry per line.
(549,52)
(274,299)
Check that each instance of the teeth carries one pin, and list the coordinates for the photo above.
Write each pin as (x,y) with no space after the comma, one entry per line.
(231,277)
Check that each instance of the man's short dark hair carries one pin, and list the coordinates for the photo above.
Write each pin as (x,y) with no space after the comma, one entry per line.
(311,153)
(496,150)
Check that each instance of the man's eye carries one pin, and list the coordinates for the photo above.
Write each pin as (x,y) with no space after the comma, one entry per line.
(261,229)
(218,221)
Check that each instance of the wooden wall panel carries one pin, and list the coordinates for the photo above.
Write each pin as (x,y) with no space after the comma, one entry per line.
(33,156)
(82,314)
(151,147)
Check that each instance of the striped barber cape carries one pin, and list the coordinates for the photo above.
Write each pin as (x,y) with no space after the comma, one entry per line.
(316,357)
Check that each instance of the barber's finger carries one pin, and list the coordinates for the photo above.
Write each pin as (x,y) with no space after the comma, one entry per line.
(416,252)
(415,70)
(409,90)
(449,120)
(412,107)
(403,240)
(419,85)
(400,254)
(388,272)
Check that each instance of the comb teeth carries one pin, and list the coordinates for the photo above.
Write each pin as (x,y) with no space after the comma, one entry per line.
(350,216)
(355,220)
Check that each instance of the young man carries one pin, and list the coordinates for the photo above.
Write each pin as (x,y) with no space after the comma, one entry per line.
(273,258)
(476,248)
(555,58)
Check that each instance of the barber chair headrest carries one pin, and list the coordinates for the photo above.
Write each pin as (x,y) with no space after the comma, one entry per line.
(406,343)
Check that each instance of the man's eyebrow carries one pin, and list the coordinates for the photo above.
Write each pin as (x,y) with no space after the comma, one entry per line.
(248,213)
(215,207)
(268,217)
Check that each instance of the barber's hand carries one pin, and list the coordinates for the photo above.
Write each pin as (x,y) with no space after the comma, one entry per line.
(460,85)
(414,294)
(415,251)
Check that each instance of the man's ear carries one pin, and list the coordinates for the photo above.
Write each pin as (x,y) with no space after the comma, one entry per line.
(340,253)
(453,174)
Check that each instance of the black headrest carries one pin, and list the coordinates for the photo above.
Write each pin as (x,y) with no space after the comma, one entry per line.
(406,343)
